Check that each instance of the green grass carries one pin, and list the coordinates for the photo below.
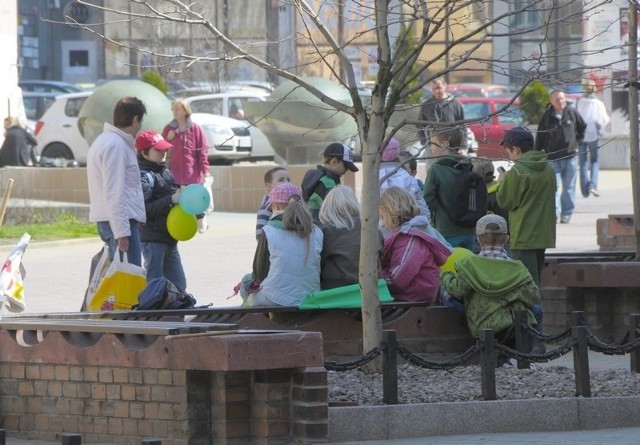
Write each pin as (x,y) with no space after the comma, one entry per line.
(64,227)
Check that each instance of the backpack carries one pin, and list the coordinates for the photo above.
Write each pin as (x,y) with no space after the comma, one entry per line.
(469,197)
(160,293)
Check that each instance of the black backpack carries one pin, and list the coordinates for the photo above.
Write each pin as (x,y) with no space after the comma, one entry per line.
(469,197)
(160,293)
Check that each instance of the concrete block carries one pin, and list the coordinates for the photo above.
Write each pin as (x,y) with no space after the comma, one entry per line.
(609,412)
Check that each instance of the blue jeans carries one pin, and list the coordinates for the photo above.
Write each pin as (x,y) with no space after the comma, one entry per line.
(589,166)
(134,254)
(566,175)
(163,260)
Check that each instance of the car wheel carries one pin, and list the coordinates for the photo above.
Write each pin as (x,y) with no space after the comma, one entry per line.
(57,150)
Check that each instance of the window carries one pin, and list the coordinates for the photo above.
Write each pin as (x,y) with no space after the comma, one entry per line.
(213,106)
(72,108)
(79,58)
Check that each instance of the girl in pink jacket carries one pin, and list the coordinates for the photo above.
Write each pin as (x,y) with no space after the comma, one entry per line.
(411,258)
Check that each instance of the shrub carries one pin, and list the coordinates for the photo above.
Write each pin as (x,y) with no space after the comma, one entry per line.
(155,79)
(533,101)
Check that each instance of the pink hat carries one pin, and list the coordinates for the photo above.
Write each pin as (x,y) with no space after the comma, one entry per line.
(391,151)
(151,139)
(285,192)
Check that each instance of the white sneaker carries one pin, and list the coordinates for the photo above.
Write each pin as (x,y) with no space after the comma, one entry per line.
(202,225)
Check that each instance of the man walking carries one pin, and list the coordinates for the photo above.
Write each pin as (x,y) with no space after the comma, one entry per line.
(116,201)
(595,116)
(560,131)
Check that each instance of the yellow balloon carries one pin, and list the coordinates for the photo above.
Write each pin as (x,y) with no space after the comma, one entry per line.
(181,225)
(458,253)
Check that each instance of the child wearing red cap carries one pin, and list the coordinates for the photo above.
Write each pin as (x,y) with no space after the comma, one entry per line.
(161,193)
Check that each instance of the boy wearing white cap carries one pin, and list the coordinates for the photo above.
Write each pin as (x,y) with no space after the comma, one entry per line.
(490,284)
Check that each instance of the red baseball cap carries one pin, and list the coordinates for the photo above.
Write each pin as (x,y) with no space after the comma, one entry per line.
(151,139)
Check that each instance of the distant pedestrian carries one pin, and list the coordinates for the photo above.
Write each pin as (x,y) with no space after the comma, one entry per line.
(273,177)
(116,201)
(317,182)
(161,192)
(560,131)
(595,116)
(16,148)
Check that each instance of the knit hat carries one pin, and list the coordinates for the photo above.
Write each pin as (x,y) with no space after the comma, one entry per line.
(491,224)
(391,151)
(285,192)
(483,167)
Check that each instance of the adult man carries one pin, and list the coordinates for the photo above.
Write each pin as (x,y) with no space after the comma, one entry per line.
(440,107)
(527,192)
(318,181)
(560,131)
(115,190)
(595,116)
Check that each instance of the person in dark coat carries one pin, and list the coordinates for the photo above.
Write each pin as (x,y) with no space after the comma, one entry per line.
(15,148)
(161,192)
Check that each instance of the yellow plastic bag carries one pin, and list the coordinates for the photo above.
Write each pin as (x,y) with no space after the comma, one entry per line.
(119,289)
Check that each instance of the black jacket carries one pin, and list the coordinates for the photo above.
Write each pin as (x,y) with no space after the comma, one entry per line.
(15,148)
(158,185)
(559,138)
(445,110)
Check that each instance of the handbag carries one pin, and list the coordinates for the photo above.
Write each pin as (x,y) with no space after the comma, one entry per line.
(100,263)
(120,287)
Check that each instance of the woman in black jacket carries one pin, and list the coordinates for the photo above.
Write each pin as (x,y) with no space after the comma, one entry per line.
(15,148)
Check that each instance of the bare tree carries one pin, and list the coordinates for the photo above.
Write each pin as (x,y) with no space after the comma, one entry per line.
(513,41)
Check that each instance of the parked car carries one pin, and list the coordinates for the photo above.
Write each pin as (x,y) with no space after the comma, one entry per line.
(48,86)
(57,129)
(229,139)
(472,89)
(35,104)
(231,104)
(489,132)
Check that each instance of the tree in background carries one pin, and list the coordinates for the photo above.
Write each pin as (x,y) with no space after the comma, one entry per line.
(533,101)
(155,79)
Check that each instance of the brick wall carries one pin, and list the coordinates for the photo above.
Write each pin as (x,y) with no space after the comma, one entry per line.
(138,397)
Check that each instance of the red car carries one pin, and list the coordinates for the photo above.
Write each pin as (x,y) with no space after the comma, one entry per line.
(490,131)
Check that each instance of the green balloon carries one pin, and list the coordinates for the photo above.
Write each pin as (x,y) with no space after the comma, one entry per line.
(181,225)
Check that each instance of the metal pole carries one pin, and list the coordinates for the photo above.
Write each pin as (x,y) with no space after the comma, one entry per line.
(488,365)
(633,117)
(390,368)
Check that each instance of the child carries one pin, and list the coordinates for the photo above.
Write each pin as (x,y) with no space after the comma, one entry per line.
(392,174)
(272,177)
(286,265)
(484,168)
(411,258)
(410,164)
(317,182)
(161,193)
(491,285)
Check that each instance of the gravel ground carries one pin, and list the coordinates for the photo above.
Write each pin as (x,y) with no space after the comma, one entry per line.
(462,384)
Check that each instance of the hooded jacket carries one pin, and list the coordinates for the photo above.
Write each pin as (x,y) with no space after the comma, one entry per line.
(491,290)
(397,176)
(438,193)
(158,185)
(528,192)
(411,261)
(559,138)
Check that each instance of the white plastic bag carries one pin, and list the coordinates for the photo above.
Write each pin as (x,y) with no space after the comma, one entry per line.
(208,184)
(11,276)
(99,265)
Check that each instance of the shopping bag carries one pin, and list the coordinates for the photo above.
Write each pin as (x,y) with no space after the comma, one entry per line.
(208,184)
(345,297)
(120,287)
(11,276)
(100,263)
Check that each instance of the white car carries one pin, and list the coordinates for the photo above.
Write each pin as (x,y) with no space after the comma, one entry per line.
(230,104)
(57,129)
(229,139)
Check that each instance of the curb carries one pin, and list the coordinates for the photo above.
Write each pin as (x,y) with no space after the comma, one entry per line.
(386,422)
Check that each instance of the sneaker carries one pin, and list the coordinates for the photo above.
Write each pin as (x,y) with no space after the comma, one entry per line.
(594,192)
(202,225)
(565,219)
